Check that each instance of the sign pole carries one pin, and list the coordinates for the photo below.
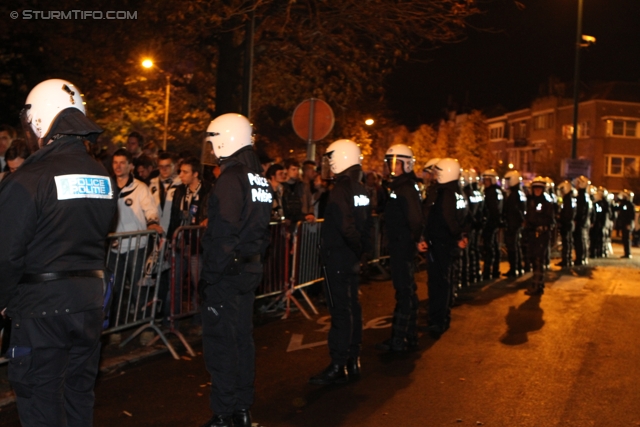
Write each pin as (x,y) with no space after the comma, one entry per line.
(311,146)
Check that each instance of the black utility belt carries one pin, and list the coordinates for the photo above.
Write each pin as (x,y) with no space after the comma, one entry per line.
(59,275)
(235,264)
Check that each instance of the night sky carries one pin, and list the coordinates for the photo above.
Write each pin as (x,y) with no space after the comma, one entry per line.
(507,67)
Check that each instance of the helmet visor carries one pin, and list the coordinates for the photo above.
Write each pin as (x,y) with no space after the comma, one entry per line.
(391,162)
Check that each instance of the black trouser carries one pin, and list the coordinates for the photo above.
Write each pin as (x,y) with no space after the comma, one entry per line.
(54,382)
(512,241)
(345,335)
(581,243)
(538,245)
(626,239)
(491,249)
(227,340)
(566,235)
(596,241)
(440,269)
(405,313)
(474,256)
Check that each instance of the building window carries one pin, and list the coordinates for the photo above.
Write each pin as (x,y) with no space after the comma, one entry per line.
(624,128)
(583,130)
(496,132)
(621,165)
(543,121)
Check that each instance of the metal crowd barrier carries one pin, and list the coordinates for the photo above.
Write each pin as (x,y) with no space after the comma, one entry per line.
(275,278)
(135,259)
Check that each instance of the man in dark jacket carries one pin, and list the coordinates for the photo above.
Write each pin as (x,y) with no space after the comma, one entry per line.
(514,211)
(55,213)
(566,215)
(539,222)
(626,217)
(404,223)
(444,236)
(601,218)
(471,255)
(492,219)
(584,206)
(234,245)
(345,239)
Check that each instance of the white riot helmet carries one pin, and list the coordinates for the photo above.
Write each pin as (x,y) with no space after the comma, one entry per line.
(565,188)
(340,156)
(512,178)
(228,133)
(539,182)
(447,170)
(469,176)
(626,195)
(430,164)
(44,104)
(491,175)
(600,194)
(402,153)
(581,182)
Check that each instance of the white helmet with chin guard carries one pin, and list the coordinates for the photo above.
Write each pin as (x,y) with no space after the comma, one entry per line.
(340,156)
(399,153)
(581,182)
(228,133)
(512,178)
(565,188)
(430,164)
(447,170)
(491,175)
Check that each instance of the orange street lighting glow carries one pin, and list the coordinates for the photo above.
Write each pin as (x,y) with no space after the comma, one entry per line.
(368,122)
(147,63)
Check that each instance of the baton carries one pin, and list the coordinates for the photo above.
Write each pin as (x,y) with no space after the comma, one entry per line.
(326,276)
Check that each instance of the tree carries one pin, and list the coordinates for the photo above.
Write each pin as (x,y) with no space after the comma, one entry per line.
(422,141)
(472,143)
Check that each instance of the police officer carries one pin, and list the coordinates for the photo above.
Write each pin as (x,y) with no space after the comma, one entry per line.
(514,209)
(55,213)
(601,218)
(471,255)
(539,221)
(404,224)
(491,219)
(582,220)
(344,239)
(566,216)
(551,191)
(233,245)
(443,238)
(626,217)
(430,182)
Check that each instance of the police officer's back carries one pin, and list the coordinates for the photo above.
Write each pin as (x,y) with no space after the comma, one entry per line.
(492,220)
(514,210)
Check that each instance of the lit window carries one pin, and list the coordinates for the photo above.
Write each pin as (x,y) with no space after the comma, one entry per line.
(625,128)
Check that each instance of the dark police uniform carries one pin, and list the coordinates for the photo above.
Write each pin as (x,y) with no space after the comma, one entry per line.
(626,217)
(514,209)
(582,224)
(443,231)
(565,219)
(345,238)
(234,244)
(601,218)
(404,226)
(55,213)
(471,254)
(539,222)
(492,218)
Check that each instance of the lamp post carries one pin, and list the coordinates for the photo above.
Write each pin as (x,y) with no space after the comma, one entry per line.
(576,84)
(148,63)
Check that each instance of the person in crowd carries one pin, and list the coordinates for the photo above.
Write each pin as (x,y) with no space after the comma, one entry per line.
(15,156)
(234,244)
(276,175)
(7,135)
(135,141)
(309,193)
(538,224)
(582,220)
(514,210)
(444,236)
(293,192)
(52,260)
(150,150)
(144,167)
(404,226)
(492,220)
(471,254)
(345,240)
(323,188)
(601,218)
(626,218)
(566,217)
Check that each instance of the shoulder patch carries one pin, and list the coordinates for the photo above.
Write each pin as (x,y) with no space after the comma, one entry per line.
(78,186)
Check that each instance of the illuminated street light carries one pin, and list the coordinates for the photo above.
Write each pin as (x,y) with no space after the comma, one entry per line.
(510,165)
(148,63)
(369,122)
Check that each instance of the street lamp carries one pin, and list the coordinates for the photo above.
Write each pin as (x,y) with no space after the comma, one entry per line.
(148,63)
(369,122)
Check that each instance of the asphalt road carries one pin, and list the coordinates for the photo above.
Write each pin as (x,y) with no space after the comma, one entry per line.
(569,358)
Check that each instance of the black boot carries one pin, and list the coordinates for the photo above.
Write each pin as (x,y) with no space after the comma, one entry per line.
(353,368)
(241,418)
(219,421)
(332,374)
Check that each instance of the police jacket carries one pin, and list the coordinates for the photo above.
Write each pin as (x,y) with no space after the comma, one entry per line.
(476,205)
(602,213)
(431,193)
(55,213)
(515,206)
(567,210)
(583,209)
(493,205)
(239,212)
(540,212)
(403,212)
(347,217)
(446,220)
(626,213)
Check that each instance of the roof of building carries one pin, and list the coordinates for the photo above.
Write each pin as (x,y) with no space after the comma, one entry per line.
(615,91)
